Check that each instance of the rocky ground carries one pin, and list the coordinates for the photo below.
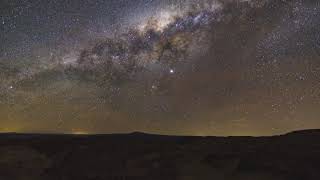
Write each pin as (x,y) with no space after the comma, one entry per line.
(294,156)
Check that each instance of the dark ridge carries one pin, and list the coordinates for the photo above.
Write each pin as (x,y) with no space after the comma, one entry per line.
(137,155)
(305,132)
(144,134)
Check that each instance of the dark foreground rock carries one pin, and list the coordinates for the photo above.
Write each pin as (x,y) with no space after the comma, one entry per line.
(137,156)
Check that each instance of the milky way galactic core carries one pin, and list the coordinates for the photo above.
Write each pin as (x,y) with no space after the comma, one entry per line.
(193,67)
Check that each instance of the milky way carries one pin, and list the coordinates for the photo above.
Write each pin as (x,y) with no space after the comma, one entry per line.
(227,67)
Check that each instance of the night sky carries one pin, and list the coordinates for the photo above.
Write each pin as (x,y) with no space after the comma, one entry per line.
(188,67)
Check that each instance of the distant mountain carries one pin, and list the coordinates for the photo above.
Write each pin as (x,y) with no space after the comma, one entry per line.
(294,156)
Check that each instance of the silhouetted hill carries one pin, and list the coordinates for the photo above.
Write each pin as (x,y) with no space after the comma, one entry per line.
(294,156)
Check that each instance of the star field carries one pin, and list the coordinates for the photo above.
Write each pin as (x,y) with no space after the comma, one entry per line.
(196,67)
